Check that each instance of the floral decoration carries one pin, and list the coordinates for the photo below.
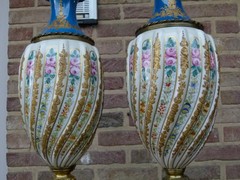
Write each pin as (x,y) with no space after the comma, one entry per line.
(48,87)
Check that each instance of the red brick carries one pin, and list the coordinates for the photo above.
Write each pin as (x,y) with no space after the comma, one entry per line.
(116,138)
(229,60)
(13,104)
(232,171)
(16,51)
(109,13)
(21,3)
(230,79)
(131,122)
(12,86)
(115,101)
(214,136)
(44,175)
(13,68)
(207,27)
(231,134)
(211,10)
(109,46)
(19,176)
(227,26)
(119,29)
(121,1)
(148,173)
(133,11)
(230,115)
(203,172)
(43,3)
(29,16)
(18,141)
(84,174)
(230,97)
(24,159)
(106,157)
(231,44)
(141,156)
(14,123)
(114,65)
(227,152)
(88,30)
(19,34)
(114,119)
(113,83)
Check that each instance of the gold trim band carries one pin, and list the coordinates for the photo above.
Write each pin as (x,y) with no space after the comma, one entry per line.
(164,24)
(63,36)
(175,174)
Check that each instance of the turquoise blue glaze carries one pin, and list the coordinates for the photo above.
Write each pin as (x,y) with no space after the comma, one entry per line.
(168,10)
(70,25)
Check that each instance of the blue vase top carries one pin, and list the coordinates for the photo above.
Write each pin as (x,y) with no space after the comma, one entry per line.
(169,10)
(62,22)
(168,13)
(63,18)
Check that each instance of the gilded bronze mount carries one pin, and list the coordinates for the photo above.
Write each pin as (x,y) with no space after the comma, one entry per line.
(175,174)
(168,23)
(50,36)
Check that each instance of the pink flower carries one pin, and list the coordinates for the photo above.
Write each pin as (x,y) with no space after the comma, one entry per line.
(171,52)
(49,70)
(170,61)
(195,53)
(196,61)
(212,61)
(94,64)
(74,70)
(51,62)
(94,72)
(146,64)
(29,71)
(146,54)
(131,67)
(131,63)
(30,64)
(75,62)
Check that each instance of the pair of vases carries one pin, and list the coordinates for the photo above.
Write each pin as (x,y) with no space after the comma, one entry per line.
(172,84)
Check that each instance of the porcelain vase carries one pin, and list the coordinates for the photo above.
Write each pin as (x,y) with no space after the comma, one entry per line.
(60,89)
(172,84)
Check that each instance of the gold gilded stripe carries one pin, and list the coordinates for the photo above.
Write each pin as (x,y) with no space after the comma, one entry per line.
(56,101)
(64,137)
(200,107)
(134,93)
(37,76)
(153,88)
(178,99)
(20,77)
(90,130)
(93,120)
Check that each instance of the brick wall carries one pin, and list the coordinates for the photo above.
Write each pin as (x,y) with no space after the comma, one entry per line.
(116,152)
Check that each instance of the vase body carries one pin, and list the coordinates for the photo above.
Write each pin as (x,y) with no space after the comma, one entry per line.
(172,84)
(60,90)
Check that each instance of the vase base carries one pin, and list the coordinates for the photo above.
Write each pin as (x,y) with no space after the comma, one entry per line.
(63,174)
(175,174)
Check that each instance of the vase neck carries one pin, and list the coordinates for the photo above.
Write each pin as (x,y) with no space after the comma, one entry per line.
(168,10)
(63,18)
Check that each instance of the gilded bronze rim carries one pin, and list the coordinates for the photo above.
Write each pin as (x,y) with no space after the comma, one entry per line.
(164,24)
(43,37)
(175,174)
